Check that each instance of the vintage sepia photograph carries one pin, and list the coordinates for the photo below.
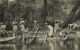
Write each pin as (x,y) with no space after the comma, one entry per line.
(39,24)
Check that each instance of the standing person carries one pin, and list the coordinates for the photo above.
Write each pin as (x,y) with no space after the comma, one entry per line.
(3,27)
(35,25)
(2,30)
(14,24)
(56,26)
(50,29)
(22,27)
(70,26)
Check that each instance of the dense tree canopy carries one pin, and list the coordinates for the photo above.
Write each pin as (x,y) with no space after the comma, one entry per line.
(35,9)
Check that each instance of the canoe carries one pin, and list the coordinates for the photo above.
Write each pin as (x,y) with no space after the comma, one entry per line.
(7,39)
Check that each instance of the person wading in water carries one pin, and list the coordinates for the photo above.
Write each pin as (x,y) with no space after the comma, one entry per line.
(50,29)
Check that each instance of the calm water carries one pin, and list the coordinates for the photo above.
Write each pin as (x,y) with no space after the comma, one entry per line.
(49,45)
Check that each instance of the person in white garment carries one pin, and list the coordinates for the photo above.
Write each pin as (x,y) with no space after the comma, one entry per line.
(3,27)
(14,24)
(75,25)
(56,26)
(50,29)
(22,27)
(63,34)
(70,26)
(64,37)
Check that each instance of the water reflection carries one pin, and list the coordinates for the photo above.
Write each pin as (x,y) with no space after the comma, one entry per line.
(23,46)
(50,45)
(7,47)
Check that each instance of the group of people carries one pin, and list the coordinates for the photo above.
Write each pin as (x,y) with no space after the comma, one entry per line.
(15,26)
(67,36)
(19,26)
(73,26)
(52,28)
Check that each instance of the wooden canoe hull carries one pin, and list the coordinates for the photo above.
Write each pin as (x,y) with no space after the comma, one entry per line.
(10,40)
(7,39)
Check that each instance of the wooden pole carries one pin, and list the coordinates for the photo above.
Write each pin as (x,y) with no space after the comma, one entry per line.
(76,43)
(23,37)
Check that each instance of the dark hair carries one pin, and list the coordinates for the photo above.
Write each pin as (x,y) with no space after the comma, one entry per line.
(51,23)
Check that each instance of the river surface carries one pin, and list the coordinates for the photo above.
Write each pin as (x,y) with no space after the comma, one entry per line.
(49,45)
